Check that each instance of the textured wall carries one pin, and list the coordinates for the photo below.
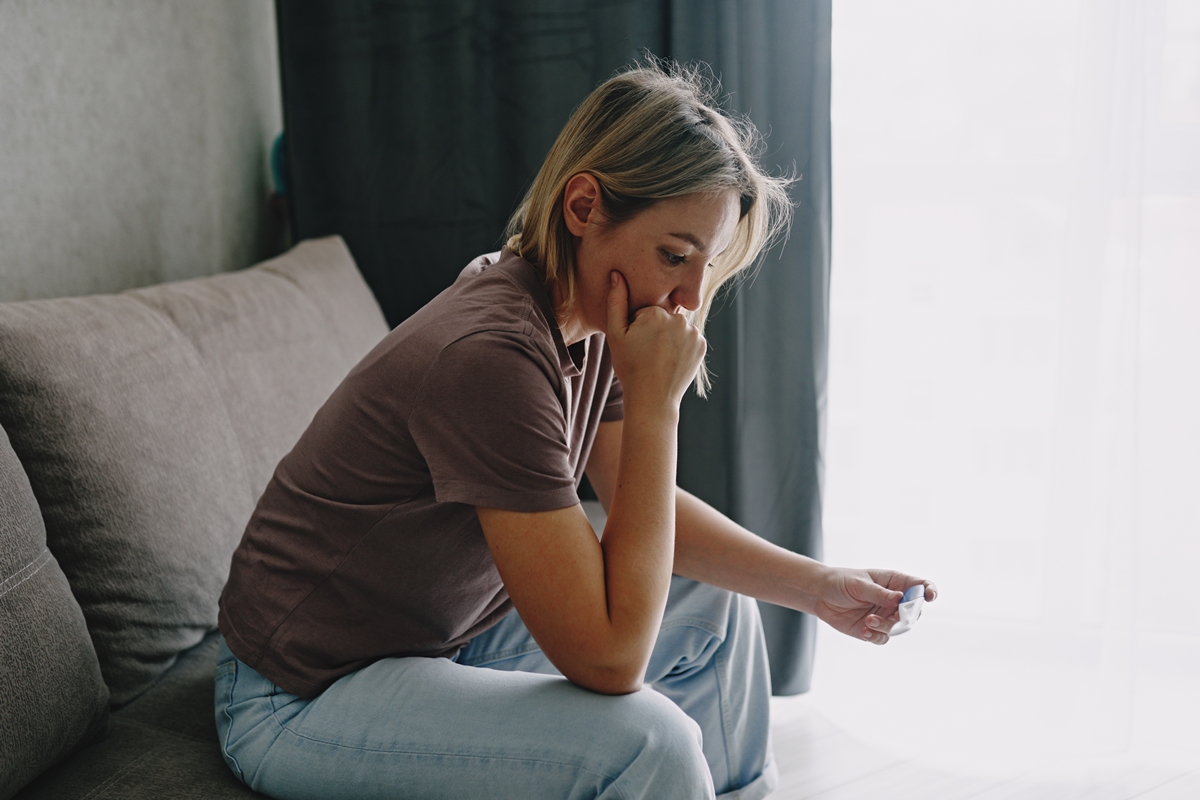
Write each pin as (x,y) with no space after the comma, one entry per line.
(133,141)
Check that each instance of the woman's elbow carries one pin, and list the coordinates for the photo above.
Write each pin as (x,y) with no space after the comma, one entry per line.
(608,680)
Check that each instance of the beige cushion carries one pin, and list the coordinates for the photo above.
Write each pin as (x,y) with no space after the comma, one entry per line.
(276,340)
(53,697)
(150,421)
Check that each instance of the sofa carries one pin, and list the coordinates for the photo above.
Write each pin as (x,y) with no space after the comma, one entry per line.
(137,431)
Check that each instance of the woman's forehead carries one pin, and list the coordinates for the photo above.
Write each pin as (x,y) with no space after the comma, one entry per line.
(705,221)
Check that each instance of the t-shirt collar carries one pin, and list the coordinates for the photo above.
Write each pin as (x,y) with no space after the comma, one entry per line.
(570,359)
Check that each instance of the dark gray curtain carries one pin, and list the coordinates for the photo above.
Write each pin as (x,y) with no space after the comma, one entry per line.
(754,447)
(413,129)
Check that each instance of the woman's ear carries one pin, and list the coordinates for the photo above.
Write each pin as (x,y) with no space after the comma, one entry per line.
(581,201)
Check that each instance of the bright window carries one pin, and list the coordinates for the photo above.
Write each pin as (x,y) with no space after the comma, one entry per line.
(1014,380)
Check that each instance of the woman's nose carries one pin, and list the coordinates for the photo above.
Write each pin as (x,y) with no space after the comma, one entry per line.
(686,293)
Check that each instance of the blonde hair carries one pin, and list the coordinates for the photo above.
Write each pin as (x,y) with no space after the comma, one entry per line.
(652,132)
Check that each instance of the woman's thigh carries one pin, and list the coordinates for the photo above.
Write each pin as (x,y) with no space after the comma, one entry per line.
(709,659)
(421,727)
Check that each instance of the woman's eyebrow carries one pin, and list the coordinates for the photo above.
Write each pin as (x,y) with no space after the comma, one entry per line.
(690,239)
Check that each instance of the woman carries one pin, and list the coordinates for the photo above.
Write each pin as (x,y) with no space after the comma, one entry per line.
(371,651)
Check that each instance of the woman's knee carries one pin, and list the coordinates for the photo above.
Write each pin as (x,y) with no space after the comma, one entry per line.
(660,747)
(744,615)
(660,728)
(657,722)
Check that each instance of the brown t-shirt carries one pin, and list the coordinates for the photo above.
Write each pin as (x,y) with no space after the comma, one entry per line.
(365,544)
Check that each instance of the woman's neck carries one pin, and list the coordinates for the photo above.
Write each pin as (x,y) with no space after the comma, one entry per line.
(570,322)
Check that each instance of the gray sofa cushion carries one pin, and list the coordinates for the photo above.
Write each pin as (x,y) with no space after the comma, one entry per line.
(276,341)
(162,745)
(149,422)
(132,458)
(140,762)
(52,698)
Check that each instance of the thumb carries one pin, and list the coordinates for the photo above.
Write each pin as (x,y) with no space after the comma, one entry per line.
(618,302)
(879,595)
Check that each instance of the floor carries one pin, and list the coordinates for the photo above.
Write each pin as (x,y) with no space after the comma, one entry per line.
(819,760)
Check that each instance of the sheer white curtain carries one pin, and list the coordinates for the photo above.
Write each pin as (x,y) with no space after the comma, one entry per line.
(1014,390)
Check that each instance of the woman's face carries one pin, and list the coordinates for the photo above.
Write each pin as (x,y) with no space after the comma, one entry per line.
(663,252)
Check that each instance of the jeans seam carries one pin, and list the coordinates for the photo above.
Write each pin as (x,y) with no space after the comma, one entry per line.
(285,728)
(695,622)
(225,744)
(726,711)
(502,655)
(447,754)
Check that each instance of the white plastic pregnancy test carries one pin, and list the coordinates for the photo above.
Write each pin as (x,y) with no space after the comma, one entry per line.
(910,609)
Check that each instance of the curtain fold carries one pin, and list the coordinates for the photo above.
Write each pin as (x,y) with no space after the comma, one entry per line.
(413,130)
(769,338)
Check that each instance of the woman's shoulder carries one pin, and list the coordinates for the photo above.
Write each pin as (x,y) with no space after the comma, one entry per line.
(502,277)
(492,309)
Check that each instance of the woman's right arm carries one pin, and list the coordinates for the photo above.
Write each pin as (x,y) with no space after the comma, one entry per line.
(595,607)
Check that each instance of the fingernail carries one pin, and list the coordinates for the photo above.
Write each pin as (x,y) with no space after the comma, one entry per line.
(874,623)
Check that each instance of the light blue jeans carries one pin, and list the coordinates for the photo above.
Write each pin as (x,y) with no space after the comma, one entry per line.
(498,721)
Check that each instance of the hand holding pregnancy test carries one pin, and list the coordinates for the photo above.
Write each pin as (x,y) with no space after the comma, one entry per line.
(910,609)
(873,604)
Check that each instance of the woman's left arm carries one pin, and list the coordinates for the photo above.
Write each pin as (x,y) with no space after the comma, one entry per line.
(713,549)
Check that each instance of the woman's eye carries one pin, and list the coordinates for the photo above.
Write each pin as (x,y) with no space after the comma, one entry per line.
(674,259)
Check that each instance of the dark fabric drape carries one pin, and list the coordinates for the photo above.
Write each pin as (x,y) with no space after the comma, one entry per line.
(754,448)
(413,129)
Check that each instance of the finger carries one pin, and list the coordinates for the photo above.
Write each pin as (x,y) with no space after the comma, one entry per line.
(874,637)
(902,582)
(880,624)
(875,594)
(618,302)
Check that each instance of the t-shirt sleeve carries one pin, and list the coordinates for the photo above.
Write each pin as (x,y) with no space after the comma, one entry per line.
(614,406)
(491,427)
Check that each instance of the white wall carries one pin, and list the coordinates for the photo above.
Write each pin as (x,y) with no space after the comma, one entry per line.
(133,141)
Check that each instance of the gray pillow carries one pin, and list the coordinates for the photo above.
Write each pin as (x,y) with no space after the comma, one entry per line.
(53,698)
(149,422)
(276,341)
(132,458)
